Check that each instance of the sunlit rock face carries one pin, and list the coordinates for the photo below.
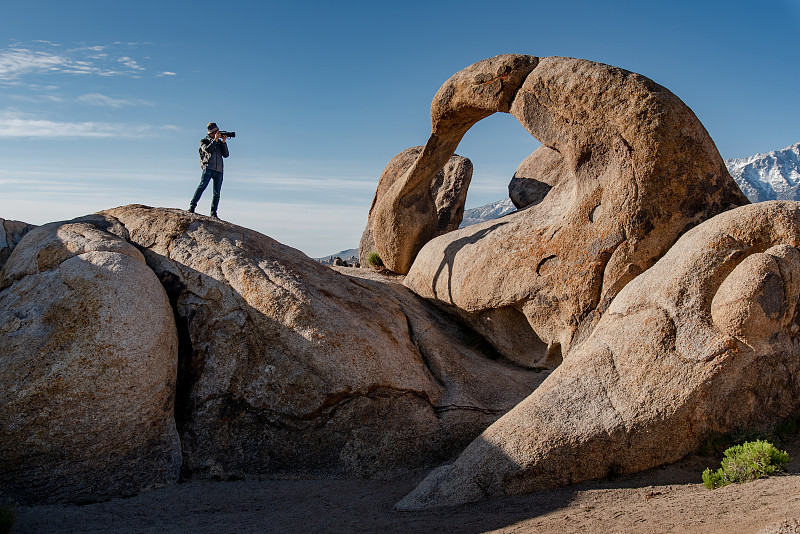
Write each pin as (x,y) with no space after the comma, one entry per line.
(88,362)
(624,170)
(705,341)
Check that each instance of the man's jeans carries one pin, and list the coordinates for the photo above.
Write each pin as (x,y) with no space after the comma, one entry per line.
(208,175)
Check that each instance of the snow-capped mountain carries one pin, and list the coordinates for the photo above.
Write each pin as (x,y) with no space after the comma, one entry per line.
(772,176)
(487,212)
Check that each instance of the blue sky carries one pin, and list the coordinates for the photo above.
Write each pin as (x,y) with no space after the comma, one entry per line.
(104,103)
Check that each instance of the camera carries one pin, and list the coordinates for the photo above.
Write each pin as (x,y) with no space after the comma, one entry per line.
(228,134)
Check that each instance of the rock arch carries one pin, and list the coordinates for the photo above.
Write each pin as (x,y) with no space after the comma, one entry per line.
(628,167)
(405,216)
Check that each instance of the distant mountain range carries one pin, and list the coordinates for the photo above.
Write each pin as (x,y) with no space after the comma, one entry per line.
(346,255)
(771,176)
(487,212)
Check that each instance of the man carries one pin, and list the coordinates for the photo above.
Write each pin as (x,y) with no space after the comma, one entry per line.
(213,148)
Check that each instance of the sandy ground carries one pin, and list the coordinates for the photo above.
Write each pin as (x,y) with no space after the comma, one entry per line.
(669,499)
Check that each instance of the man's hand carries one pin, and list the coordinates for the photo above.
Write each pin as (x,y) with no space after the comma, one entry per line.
(224,138)
(216,135)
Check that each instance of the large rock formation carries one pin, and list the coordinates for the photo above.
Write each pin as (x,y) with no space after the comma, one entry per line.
(11,232)
(448,193)
(629,169)
(282,365)
(88,359)
(705,341)
(289,366)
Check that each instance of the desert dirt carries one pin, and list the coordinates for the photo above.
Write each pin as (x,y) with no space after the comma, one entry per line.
(666,499)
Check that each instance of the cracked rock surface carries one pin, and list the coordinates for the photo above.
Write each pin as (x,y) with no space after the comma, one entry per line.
(247,359)
(287,366)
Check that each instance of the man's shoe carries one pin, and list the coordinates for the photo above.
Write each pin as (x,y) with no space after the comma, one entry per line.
(214,215)
(191,209)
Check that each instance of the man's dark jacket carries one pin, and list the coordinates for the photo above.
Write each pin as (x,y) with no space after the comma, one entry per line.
(211,153)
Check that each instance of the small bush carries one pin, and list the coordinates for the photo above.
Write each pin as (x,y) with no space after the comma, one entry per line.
(374,259)
(745,462)
(7,517)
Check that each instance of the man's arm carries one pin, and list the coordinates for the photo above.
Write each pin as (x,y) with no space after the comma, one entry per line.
(205,151)
(206,145)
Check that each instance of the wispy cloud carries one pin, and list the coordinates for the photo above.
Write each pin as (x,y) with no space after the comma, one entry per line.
(20,125)
(43,57)
(92,99)
(97,99)
(130,63)
(36,98)
(17,62)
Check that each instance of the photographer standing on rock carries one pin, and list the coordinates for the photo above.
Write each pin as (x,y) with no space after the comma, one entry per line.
(213,148)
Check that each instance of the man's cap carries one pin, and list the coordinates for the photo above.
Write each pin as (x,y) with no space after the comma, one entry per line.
(212,126)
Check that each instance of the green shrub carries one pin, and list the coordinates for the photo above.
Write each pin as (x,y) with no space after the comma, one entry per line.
(7,517)
(748,461)
(374,259)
